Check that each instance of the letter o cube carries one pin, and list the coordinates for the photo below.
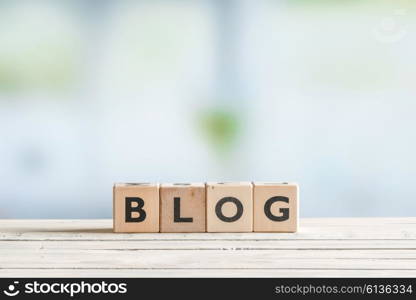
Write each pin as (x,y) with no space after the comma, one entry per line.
(229,207)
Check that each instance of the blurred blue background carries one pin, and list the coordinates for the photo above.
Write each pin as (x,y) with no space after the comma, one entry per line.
(318,92)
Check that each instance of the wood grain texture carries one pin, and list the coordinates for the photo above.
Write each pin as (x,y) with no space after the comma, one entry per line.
(266,193)
(192,204)
(330,247)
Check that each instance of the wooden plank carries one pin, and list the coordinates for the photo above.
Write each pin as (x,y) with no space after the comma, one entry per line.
(25,272)
(214,259)
(310,229)
(322,248)
(210,245)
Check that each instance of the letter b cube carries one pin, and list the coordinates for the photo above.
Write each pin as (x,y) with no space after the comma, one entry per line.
(136,207)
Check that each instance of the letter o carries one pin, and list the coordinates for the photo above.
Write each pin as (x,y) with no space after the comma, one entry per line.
(238,214)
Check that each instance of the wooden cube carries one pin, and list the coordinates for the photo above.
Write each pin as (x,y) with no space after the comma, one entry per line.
(229,207)
(136,207)
(276,207)
(182,207)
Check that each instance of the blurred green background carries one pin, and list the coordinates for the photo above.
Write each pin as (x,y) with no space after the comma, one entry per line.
(96,92)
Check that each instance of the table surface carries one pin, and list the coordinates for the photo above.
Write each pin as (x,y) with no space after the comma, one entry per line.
(333,247)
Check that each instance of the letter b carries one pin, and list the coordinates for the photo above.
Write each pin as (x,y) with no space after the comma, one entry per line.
(139,209)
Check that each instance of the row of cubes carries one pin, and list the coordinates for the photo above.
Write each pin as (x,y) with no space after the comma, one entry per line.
(210,207)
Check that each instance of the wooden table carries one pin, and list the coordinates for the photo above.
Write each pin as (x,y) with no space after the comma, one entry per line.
(322,248)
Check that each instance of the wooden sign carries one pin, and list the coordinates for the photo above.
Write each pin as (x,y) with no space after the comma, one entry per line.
(211,207)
